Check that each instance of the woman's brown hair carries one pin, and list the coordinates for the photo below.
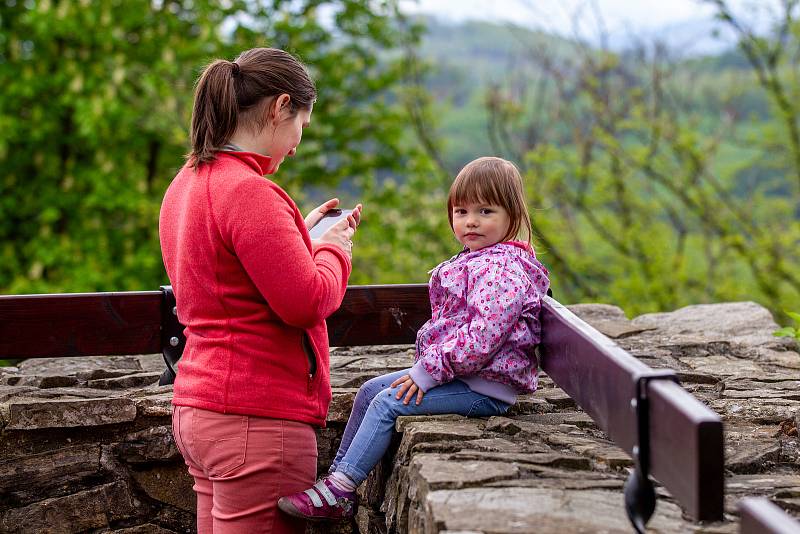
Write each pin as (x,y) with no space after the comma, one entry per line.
(492,181)
(234,93)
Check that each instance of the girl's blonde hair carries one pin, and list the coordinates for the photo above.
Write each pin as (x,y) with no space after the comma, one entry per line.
(493,181)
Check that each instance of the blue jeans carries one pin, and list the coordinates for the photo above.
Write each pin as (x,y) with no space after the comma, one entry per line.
(375,409)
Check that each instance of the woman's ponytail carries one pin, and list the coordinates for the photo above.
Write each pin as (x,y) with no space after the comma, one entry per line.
(216,110)
(231,94)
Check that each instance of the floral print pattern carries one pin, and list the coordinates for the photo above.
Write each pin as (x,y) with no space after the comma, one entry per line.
(485,316)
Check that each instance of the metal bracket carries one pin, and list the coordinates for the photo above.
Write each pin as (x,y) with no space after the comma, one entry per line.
(172,339)
(640,496)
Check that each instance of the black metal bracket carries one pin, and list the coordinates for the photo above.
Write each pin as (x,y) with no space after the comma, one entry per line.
(640,496)
(172,339)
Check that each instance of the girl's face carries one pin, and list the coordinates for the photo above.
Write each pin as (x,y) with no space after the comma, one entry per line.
(479,225)
(284,134)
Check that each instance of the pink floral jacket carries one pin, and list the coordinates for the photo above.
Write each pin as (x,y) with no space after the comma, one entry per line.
(485,319)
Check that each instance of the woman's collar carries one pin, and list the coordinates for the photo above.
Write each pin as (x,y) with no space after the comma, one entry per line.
(259,163)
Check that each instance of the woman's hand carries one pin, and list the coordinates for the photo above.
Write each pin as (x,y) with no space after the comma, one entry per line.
(341,233)
(408,388)
(317,213)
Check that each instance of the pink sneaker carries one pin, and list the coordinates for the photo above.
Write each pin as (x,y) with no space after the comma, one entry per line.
(322,501)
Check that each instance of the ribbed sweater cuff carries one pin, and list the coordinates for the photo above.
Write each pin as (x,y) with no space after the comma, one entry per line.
(421,377)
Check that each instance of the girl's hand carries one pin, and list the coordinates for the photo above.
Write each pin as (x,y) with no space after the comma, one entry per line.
(408,388)
(317,213)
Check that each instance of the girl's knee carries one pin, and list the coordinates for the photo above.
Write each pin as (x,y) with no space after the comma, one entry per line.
(385,401)
(372,387)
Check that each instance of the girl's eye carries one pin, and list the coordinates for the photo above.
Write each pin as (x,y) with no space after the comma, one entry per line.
(460,211)
(486,211)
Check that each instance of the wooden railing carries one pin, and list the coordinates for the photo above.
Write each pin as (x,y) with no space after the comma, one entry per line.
(91,324)
(760,516)
(680,438)
(685,437)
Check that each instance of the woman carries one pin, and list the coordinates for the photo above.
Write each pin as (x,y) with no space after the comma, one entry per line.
(253,291)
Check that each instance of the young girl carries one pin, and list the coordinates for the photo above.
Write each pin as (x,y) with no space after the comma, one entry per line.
(473,356)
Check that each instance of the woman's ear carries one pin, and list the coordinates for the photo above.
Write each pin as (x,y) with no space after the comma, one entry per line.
(280,108)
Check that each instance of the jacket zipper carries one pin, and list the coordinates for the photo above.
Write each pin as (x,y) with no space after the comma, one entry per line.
(308,348)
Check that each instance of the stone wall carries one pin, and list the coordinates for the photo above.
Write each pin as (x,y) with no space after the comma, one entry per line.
(85,444)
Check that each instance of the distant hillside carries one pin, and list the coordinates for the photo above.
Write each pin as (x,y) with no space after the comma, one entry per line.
(467,58)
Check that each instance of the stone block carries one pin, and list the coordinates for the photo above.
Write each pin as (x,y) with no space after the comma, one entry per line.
(175,519)
(14,392)
(76,392)
(327,444)
(126,382)
(552,459)
(528,404)
(752,456)
(371,521)
(32,414)
(79,364)
(43,382)
(430,472)
(151,363)
(336,527)
(763,484)
(561,479)
(579,420)
(439,447)
(492,445)
(745,323)
(147,528)
(518,426)
(349,380)
(439,430)
(154,404)
(97,374)
(94,508)
(403,421)
(31,478)
(742,410)
(152,444)
(556,397)
(341,405)
(545,511)
(170,484)
(396,361)
(608,320)
(787,359)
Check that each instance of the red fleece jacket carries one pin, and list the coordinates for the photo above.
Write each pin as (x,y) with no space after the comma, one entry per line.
(249,288)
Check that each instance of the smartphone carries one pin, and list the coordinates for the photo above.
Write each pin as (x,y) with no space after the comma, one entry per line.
(330,218)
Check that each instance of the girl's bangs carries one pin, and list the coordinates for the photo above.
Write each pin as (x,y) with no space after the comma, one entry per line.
(475,188)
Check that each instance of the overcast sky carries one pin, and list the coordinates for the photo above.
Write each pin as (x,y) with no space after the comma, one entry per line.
(677,20)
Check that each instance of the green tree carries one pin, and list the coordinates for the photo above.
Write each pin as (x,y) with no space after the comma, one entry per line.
(639,191)
(96,104)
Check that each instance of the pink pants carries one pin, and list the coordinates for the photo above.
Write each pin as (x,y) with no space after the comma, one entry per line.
(242,465)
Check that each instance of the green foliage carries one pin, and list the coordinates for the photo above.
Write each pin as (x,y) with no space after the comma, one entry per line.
(653,184)
(790,331)
(96,104)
